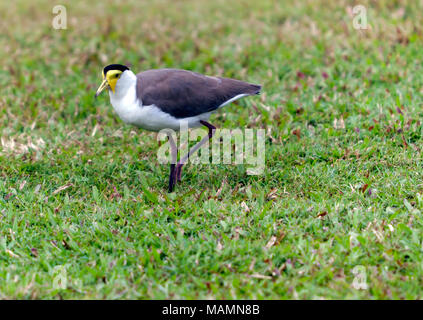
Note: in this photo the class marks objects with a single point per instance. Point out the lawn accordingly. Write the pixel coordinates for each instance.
(336, 213)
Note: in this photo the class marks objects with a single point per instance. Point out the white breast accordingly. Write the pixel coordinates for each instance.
(151, 117)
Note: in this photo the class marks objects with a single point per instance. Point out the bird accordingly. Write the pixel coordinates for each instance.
(160, 99)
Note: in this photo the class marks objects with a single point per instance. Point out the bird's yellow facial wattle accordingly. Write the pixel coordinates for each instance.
(109, 81)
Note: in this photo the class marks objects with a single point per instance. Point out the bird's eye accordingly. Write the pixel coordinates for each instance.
(117, 76)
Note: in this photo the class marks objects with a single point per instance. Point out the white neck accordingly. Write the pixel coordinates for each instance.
(124, 100)
(124, 85)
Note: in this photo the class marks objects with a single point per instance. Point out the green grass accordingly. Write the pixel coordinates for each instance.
(83, 195)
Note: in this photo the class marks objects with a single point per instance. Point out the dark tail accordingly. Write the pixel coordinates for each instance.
(257, 88)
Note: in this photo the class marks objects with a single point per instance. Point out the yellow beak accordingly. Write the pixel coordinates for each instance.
(103, 86)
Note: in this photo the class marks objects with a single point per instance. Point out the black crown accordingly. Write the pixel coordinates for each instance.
(120, 67)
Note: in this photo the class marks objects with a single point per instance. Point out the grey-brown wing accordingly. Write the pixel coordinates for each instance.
(183, 93)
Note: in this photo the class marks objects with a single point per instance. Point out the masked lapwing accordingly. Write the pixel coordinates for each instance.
(165, 98)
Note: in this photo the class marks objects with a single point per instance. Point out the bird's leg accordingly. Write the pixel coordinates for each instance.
(171, 177)
(182, 161)
(174, 154)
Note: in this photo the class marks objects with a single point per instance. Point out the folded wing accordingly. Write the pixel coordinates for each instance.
(183, 93)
